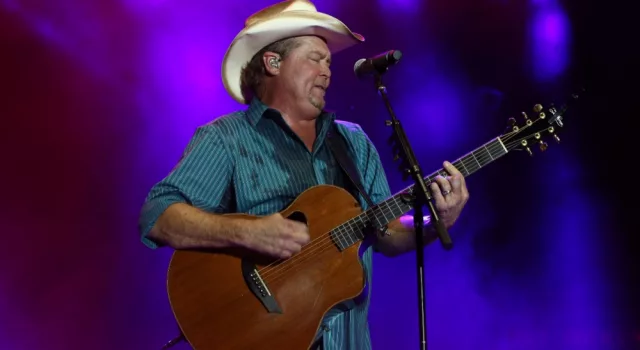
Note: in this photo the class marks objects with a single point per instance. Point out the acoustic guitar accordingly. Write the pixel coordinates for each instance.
(234, 299)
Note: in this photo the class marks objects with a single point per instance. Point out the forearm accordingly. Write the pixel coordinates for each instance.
(182, 226)
(403, 238)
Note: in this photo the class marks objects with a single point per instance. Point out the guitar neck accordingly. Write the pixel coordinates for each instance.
(399, 204)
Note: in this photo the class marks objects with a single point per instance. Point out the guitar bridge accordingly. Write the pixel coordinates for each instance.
(259, 288)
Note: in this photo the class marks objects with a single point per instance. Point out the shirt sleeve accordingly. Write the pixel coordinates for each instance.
(201, 178)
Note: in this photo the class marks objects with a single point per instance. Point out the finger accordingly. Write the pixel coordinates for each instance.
(459, 185)
(279, 249)
(301, 237)
(284, 254)
(292, 247)
(463, 189)
(450, 168)
(443, 184)
(457, 179)
(299, 226)
(456, 182)
(436, 192)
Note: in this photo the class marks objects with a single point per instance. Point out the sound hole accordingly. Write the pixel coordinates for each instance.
(298, 216)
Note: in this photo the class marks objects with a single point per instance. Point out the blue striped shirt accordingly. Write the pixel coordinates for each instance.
(251, 162)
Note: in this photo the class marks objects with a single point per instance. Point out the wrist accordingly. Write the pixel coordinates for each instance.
(237, 230)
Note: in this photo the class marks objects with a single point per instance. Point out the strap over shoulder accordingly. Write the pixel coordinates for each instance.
(339, 149)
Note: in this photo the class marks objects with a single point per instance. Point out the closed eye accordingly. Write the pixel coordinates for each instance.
(318, 56)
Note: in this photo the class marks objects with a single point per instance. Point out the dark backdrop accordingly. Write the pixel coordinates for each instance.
(99, 100)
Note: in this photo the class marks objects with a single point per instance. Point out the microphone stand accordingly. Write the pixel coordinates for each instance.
(420, 196)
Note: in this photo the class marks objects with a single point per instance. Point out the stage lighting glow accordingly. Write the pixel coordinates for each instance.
(549, 43)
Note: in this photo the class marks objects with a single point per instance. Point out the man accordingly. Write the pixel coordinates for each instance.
(258, 160)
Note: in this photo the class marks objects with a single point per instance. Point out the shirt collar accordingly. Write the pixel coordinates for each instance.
(257, 110)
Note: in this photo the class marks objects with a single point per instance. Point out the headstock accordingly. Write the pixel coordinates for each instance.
(535, 127)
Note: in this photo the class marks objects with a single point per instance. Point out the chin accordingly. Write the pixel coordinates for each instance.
(317, 103)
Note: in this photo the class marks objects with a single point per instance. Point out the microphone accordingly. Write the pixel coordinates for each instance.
(377, 64)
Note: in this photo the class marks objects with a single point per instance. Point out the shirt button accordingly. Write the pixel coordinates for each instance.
(325, 328)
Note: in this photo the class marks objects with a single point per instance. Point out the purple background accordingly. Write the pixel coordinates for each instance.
(99, 99)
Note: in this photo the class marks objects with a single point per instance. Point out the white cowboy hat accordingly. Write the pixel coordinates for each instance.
(279, 21)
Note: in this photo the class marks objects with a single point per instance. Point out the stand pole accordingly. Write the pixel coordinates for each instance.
(421, 197)
(422, 303)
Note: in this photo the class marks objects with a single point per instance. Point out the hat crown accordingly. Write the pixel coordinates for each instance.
(276, 9)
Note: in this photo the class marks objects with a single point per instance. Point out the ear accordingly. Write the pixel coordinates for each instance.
(271, 62)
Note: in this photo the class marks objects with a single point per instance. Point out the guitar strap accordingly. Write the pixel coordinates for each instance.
(339, 148)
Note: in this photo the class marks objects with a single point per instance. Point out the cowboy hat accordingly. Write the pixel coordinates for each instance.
(279, 21)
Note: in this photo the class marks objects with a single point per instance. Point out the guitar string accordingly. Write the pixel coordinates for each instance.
(320, 244)
(340, 232)
(325, 241)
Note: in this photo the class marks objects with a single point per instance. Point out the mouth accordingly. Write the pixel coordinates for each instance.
(321, 87)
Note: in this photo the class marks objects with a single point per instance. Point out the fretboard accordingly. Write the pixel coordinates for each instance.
(394, 207)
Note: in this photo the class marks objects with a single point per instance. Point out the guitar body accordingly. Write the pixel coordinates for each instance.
(216, 308)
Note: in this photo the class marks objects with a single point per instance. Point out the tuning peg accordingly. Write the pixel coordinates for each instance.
(512, 125)
(525, 144)
(552, 132)
(388, 122)
(543, 146)
(524, 116)
(537, 108)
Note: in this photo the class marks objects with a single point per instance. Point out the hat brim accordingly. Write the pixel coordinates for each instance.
(284, 25)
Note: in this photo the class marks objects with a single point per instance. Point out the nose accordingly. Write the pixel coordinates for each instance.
(326, 71)
(327, 76)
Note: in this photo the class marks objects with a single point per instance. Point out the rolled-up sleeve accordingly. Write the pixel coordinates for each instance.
(201, 179)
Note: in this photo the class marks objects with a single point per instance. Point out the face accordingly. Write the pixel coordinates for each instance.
(305, 73)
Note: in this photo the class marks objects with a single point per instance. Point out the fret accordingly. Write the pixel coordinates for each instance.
(485, 148)
(338, 239)
(377, 211)
(370, 215)
(474, 157)
(480, 157)
(464, 170)
(385, 209)
(349, 237)
(398, 211)
(503, 146)
(344, 237)
(380, 215)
